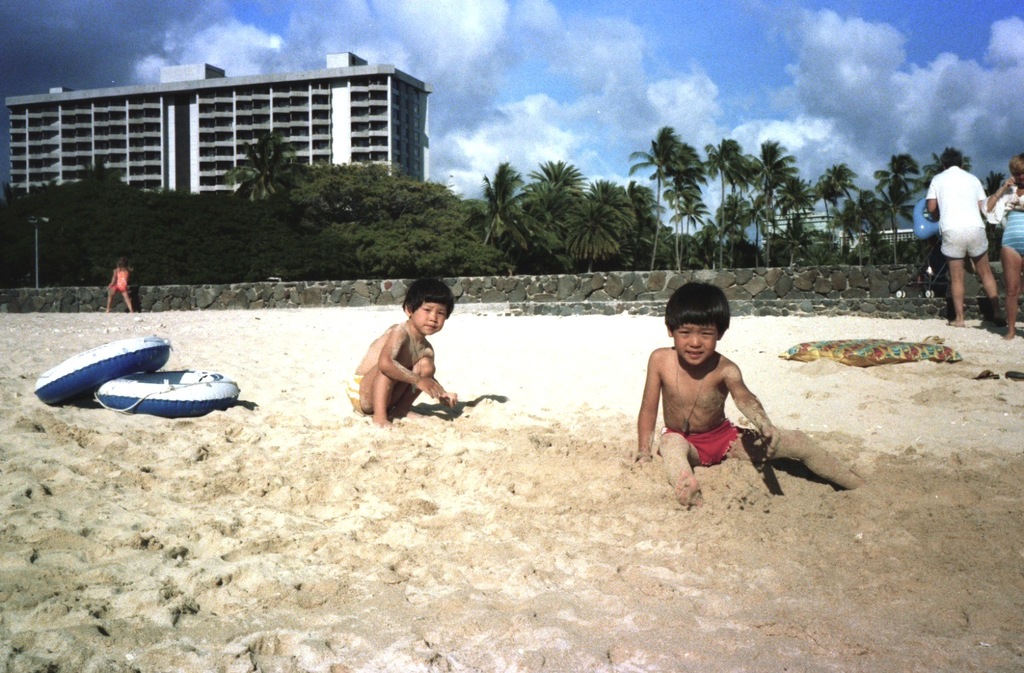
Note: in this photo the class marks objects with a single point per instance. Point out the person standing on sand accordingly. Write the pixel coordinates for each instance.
(119, 283)
(693, 381)
(957, 199)
(1006, 207)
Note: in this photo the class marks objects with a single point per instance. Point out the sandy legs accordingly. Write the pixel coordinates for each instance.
(386, 399)
(679, 458)
(796, 445)
(1011, 278)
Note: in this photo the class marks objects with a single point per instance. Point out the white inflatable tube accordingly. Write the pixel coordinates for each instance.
(86, 371)
(177, 394)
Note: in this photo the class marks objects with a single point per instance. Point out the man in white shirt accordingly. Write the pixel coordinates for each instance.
(958, 199)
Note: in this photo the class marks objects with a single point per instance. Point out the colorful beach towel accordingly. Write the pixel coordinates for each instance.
(871, 352)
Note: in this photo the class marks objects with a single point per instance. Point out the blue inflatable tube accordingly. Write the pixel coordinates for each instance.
(178, 394)
(86, 371)
(924, 226)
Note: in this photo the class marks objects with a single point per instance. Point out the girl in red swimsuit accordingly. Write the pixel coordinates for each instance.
(119, 283)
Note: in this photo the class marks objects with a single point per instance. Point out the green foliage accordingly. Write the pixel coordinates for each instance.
(329, 222)
(369, 223)
(268, 169)
(343, 223)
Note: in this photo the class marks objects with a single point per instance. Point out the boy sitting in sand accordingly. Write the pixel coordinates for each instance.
(400, 364)
(693, 381)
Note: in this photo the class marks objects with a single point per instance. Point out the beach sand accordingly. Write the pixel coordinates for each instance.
(288, 534)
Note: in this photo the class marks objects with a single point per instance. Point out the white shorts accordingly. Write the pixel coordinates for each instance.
(959, 243)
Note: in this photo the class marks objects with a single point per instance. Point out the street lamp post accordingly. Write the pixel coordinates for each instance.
(35, 221)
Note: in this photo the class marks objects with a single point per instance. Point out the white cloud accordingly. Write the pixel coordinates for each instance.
(845, 69)
(238, 48)
(853, 74)
(689, 104)
(525, 134)
(1006, 47)
(536, 17)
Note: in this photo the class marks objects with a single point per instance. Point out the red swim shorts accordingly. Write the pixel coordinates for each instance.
(711, 445)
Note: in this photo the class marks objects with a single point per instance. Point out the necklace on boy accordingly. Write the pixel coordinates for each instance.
(686, 422)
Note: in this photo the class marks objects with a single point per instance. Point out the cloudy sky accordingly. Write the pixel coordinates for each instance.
(588, 81)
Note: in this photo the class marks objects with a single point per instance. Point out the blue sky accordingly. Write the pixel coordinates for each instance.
(589, 82)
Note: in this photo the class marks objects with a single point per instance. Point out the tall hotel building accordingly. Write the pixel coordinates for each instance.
(187, 131)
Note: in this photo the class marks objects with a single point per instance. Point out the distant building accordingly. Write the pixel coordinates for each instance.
(187, 131)
(819, 221)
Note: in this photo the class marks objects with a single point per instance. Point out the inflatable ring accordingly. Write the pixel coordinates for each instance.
(86, 371)
(179, 394)
(924, 226)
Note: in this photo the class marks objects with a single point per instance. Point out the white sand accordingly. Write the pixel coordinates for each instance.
(288, 534)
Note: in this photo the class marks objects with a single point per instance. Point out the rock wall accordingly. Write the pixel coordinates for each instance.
(881, 291)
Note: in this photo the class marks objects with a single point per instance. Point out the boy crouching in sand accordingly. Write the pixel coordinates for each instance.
(400, 364)
(693, 381)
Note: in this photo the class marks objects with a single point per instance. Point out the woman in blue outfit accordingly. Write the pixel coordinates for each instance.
(1006, 206)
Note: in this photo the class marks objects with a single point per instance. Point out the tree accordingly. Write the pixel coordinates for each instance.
(738, 215)
(560, 175)
(548, 200)
(686, 175)
(870, 220)
(796, 198)
(10, 193)
(645, 218)
(993, 181)
(661, 158)
(895, 187)
(501, 210)
(930, 170)
(598, 222)
(726, 162)
(771, 168)
(99, 172)
(837, 182)
(269, 167)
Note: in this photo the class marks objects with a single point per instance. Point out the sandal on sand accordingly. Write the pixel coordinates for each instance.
(989, 374)
(1015, 376)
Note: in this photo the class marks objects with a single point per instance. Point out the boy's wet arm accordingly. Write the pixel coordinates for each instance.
(390, 360)
(746, 401)
(648, 416)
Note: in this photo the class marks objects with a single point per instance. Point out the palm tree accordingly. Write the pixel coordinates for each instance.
(738, 216)
(929, 171)
(559, 174)
(661, 158)
(500, 212)
(895, 186)
(99, 172)
(796, 198)
(555, 188)
(726, 162)
(269, 166)
(771, 167)
(686, 176)
(834, 184)
(645, 217)
(702, 251)
(993, 181)
(870, 217)
(598, 222)
(695, 212)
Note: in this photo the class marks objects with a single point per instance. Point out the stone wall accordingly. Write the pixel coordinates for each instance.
(880, 291)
